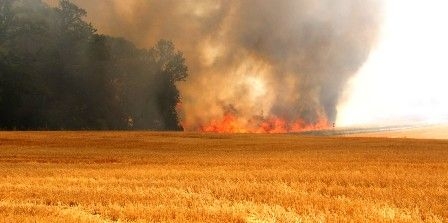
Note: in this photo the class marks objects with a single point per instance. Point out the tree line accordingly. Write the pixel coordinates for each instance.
(58, 73)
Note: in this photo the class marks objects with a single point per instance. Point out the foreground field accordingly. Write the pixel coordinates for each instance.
(179, 177)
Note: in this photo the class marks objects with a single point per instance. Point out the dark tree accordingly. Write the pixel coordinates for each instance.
(56, 72)
(171, 68)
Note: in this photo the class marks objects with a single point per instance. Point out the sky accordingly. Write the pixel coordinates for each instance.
(405, 79)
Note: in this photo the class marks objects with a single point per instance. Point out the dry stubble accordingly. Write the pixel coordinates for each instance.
(180, 177)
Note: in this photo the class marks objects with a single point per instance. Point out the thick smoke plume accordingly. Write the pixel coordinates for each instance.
(255, 65)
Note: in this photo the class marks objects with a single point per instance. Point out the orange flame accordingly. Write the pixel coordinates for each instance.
(230, 123)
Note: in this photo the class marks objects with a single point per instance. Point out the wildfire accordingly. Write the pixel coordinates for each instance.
(231, 123)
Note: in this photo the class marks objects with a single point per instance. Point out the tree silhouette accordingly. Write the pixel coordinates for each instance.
(56, 72)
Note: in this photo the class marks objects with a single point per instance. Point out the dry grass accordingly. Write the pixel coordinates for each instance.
(178, 177)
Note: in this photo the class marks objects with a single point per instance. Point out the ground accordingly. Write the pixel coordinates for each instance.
(182, 177)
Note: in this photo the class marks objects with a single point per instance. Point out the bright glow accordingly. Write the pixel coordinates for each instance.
(256, 85)
(405, 80)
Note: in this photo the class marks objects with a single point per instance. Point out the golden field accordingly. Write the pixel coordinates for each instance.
(182, 177)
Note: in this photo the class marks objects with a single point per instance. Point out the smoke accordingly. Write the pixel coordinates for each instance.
(258, 59)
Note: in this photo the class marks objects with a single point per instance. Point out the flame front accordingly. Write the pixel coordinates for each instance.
(231, 123)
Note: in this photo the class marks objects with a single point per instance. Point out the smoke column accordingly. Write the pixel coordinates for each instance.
(255, 65)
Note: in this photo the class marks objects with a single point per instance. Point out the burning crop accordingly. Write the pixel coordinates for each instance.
(232, 123)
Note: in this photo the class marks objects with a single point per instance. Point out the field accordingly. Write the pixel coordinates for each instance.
(181, 177)
(420, 132)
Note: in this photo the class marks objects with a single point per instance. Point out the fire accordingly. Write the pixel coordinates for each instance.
(231, 123)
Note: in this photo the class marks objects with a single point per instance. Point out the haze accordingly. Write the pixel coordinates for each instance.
(405, 78)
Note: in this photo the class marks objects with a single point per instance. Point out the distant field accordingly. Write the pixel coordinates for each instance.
(417, 132)
(180, 177)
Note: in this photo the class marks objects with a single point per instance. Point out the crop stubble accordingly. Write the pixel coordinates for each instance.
(179, 177)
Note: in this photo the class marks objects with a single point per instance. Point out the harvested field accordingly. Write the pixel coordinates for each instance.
(416, 132)
(182, 177)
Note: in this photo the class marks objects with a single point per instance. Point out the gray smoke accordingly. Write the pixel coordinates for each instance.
(288, 59)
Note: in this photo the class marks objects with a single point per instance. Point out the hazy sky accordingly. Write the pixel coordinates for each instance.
(405, 79)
